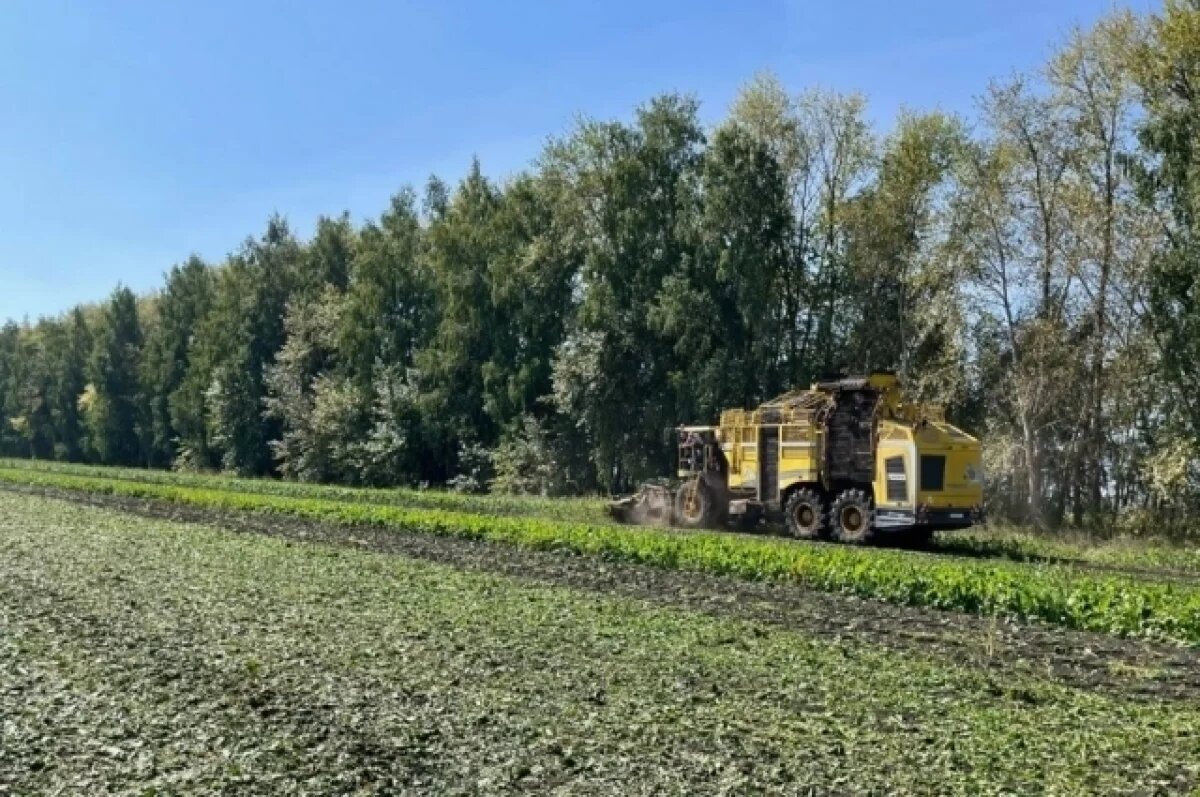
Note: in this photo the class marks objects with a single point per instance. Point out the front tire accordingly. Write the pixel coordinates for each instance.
(695, 506)
(804, 514)
(853, 519)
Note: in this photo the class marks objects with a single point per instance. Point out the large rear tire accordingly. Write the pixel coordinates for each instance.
(853, 518)
(696, 506)
(804, 514)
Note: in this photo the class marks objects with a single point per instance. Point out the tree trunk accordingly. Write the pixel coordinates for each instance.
(1097, 436)
(1034, 475)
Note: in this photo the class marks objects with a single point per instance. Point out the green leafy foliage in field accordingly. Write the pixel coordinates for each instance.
(588, 510)
(1005, 542)
(147, 657)
(1056, 594)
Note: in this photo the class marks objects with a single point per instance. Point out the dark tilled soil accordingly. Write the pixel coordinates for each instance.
(1115, 665)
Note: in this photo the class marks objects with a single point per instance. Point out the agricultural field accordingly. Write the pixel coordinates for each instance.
(170, 634)
(582, 509)
(1133, 597)
(995, 542)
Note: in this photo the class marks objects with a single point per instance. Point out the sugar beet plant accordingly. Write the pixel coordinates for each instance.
(1057, 594)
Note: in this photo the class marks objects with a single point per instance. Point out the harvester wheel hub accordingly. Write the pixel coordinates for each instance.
(694, 505)
(852, 519)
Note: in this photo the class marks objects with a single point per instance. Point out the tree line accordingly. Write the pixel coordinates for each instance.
(1035, 271)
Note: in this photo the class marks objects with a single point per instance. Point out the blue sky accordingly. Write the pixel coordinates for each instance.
(135, 133)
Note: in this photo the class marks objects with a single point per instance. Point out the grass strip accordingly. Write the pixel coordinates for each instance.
(1050, 593)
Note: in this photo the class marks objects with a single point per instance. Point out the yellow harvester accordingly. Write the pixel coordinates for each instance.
(849, 459)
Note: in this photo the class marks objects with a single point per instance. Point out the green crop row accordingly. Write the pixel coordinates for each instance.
(1050, 593)
(1005, 543)
(588, 510)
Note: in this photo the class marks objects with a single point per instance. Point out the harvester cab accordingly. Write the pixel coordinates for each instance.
(849, 459)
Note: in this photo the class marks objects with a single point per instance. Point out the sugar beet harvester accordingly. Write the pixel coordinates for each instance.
(849, 459)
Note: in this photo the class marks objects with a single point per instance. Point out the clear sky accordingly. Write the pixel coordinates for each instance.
(135, 133)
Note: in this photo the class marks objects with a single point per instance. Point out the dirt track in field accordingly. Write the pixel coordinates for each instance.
(1117, 666)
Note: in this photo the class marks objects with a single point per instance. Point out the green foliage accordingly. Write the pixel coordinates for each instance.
(719, 304)
(531, 276)
(114, 413)
(914, 322)
(68, 367)
(533, 458)
(389, 302)
(170, 346)
(328, 260)
(583, 510)
(43, 371)
(632, 197)
(1167, 68)
(386, 318)
(244, 331)
(324, 418)
(10, 338)
(1133, 552)
(474, 469)
(454, 367)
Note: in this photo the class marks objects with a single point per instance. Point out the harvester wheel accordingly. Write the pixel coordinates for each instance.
(804, 514)
(695, 506)
(852, 519)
